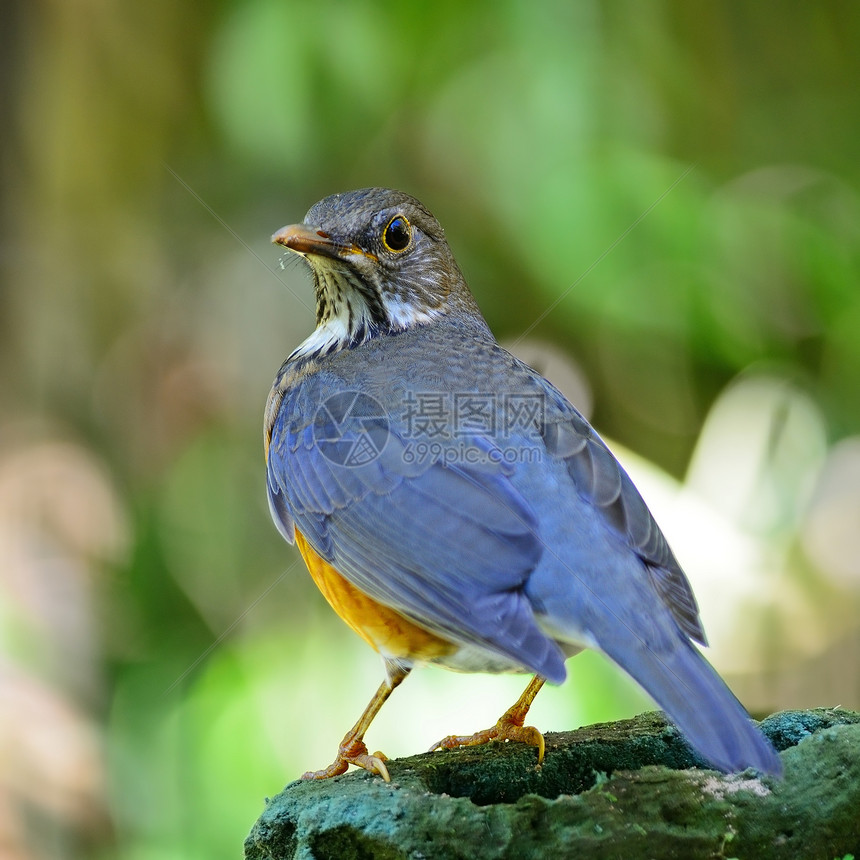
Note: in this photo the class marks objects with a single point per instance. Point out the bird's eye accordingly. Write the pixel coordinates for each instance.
(397, 234)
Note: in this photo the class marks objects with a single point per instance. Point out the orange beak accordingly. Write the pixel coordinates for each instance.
(304, 239)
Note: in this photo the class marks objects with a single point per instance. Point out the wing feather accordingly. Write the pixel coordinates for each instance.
(450, 546)
(599, 477)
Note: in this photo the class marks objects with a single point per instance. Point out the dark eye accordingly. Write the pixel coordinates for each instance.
(397, 235)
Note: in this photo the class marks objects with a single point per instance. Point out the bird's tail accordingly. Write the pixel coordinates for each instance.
(698, 701)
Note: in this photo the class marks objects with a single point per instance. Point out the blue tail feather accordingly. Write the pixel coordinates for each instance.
(698, 701)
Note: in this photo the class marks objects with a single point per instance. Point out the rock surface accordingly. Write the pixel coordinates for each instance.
(627, 790)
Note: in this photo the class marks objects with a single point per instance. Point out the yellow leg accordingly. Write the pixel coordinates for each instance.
(509, 727)
(352, 749)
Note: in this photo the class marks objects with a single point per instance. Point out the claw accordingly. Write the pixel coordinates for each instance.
(509, 727)
(352, 749)
(352, 753)
(336, 768)
(375, 764)
(504, 730)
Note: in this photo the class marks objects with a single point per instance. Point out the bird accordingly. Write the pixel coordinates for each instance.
(454, 508)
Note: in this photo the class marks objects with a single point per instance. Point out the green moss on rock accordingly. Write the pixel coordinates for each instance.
(615, 790)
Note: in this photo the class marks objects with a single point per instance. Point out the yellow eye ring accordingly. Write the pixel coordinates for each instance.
(397, 235)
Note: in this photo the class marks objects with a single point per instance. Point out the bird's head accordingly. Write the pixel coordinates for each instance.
(380, 264)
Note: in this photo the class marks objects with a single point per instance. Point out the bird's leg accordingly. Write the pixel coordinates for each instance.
(352, 749)
(509, 727)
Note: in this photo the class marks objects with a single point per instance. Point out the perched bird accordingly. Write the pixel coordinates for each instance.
(451, 504)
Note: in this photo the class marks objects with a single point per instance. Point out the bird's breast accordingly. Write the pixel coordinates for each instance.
(384, 629)
(389, 632)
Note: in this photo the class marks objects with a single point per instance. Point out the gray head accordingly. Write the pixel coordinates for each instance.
(380, 264)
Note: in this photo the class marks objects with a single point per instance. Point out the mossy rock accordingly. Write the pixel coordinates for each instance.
(627, 790)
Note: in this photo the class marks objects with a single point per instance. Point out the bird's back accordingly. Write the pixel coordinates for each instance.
(453, 396)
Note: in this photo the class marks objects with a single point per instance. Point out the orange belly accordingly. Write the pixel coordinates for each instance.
(384, 629)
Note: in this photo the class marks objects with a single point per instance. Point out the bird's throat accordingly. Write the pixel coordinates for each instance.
(349, 313)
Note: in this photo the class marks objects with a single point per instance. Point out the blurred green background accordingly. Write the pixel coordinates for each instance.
(656, 203)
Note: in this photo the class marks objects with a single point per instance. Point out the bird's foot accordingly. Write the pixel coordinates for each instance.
(509, 728)
(352, 751)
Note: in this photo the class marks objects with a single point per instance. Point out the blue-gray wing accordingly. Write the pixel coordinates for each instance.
(448, 544)
(602, 481)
